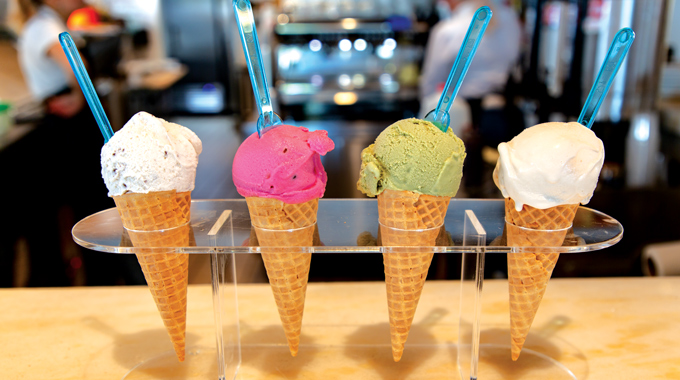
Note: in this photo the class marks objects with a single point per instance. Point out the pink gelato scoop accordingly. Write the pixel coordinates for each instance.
(283, 164)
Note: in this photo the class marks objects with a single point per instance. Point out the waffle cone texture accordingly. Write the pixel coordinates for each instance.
(154, 220)
(278, 225)
(530, 269)
(411, 220)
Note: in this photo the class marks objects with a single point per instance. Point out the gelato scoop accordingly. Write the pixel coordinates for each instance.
(150, 154)
(149, 167)
(413, 155)
(284, 164)
(550, 164)
(281, 176)
(414, 169)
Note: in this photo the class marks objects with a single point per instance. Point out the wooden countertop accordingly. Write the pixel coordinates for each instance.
(599, 328)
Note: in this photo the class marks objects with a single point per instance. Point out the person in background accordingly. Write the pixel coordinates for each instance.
(481, 93)
(43, 62)
(497, 53)
(60, 174)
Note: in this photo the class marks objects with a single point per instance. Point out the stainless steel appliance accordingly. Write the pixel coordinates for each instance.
(197, 33)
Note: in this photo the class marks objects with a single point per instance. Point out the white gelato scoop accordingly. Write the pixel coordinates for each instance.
(150, 154)
(550, 164)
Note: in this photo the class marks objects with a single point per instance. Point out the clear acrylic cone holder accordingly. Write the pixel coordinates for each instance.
(341, 338)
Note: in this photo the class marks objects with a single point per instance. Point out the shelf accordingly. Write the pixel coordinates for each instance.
(341, 224)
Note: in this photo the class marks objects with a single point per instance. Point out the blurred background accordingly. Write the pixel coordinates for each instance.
(350, 67)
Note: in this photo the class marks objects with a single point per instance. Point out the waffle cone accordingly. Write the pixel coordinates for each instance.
(154, 220)
(529, 270)
(411, 220)
(278, 224)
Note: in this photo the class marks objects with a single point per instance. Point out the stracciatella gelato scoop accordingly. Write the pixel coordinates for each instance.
(150, 154)
(550, 164)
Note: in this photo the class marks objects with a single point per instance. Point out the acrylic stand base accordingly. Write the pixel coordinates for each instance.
(200, 363)
(448, 339)
(496, 365)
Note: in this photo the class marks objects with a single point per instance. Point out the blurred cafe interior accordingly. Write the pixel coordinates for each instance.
(350, 67)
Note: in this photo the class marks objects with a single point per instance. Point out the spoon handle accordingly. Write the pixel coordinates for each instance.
(251, 47)
(69, 47)
(473, 37)
(612, 62)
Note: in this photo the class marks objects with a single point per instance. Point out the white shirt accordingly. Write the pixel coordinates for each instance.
(43, 75)
(496, 53)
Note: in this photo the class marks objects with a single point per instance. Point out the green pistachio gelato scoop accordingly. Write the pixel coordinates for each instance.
(413, 155)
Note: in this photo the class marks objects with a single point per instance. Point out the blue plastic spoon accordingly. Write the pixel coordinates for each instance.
(251, 47)
(612, 62)
(85, 83)
(440, 115)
